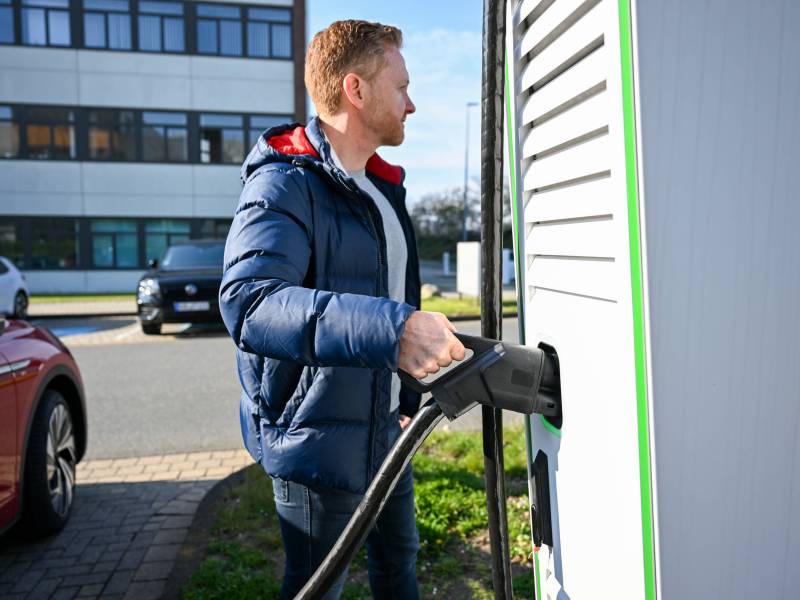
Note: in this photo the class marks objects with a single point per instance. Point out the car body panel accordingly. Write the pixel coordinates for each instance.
(11, 282)
(36, 359)
(8, 443)
(194, 290)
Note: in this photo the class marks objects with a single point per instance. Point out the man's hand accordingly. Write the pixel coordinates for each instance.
(404, 421)
(427, 344)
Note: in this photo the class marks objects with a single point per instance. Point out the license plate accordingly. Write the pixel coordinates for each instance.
(191, 306)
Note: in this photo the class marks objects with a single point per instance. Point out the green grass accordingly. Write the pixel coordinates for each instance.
(47, 298)
(245, 559)
(461, 307)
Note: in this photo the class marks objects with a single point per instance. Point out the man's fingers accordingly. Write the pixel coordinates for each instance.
(457, 350)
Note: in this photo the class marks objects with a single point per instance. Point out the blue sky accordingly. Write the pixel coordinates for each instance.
(442, 48)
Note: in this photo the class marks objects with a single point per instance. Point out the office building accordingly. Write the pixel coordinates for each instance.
(123, 125)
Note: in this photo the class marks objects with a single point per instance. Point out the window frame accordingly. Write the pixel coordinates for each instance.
(187, 127)
(185, 16)
(92, 234)
(82, 126)
(77, 35)
(87, 125)
(26, 121)
(270, 23)
(24, 227)
(105, 12)
(54, 236)
(18, 8)
(16, 16)
(222, 128)
(14, 120)
(217, 19)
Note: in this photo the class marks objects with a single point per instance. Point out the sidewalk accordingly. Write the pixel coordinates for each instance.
(128, 523)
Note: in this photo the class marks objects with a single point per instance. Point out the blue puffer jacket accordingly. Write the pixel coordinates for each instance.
(305, 297)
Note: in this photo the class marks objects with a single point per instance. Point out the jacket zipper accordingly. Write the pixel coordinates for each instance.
(376, 385)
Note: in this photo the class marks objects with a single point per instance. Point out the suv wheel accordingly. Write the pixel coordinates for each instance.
(151, 328)
(21, 305)
(50, 467)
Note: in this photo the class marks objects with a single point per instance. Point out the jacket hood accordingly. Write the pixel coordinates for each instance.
(307, 146)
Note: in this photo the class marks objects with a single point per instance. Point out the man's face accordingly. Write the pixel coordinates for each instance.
(386, 103)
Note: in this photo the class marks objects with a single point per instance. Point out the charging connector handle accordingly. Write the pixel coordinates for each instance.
(499, 374)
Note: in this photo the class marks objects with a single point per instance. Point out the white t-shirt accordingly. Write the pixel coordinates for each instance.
(396, 250)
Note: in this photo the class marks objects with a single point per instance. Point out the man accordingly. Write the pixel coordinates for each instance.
(321, 295)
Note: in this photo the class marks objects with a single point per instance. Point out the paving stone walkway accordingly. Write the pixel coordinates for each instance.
(128, 523)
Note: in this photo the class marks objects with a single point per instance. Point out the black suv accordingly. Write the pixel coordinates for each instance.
(183, 287)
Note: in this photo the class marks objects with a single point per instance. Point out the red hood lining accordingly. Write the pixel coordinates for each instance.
(296, 142)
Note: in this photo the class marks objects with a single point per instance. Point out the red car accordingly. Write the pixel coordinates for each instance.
(42, 428)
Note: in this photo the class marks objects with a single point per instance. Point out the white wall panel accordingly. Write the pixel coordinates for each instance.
(594, 238)
(578, 161)
(246, 95)
(594, 278)
(577, 37)
(40, 176)
(589, 199)
(576, 80)
(137, 178)
(719, 86)
(577, 121)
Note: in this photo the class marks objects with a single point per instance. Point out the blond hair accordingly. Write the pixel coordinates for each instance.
(344, 47)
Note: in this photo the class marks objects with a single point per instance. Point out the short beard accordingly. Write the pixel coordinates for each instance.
(388, 130)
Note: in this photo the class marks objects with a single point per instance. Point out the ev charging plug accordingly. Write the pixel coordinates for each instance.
(498, 374)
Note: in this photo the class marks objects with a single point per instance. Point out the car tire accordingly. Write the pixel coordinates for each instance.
(21, 305)
(49, 467)
(151, 328)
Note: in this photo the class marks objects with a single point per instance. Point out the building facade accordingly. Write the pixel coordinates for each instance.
(123, 125)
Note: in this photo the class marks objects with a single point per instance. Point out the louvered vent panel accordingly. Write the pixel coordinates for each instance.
(564, 147)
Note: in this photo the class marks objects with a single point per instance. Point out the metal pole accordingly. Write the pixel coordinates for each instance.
(491, 285)
(466, 173)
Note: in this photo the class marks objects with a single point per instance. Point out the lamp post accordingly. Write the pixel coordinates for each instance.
(466, 174)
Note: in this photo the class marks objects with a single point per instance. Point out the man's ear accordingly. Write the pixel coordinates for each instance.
(353, 87)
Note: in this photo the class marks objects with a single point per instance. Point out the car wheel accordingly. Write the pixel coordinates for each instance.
(151, 328)
(49, 467)
(21, 305)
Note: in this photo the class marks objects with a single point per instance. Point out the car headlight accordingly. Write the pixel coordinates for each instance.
(148, 287)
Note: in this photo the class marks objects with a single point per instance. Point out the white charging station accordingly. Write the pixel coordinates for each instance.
(654, 149)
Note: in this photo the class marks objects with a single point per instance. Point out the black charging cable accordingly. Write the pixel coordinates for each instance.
(362, 521)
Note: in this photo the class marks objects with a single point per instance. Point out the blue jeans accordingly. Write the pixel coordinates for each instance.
(311, 521)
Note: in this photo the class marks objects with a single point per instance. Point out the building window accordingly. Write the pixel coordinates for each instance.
(215, 228)
(259, 124)
(115, 243)
(50, 132)
(161, 27)
(269, 32)
(54, 244)
(164, 136)
(221, 138)
(6, 22)
(9, 133)
(112, 135)
(158, 235)
(11, 242)
(45, 23)
(219, 29)
(107, 24)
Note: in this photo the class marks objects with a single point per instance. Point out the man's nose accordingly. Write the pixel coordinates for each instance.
(410, 108)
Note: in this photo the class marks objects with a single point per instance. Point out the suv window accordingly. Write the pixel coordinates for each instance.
(194, 256)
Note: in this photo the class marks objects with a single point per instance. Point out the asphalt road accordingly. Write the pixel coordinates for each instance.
(175, 393)
(172, 396)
